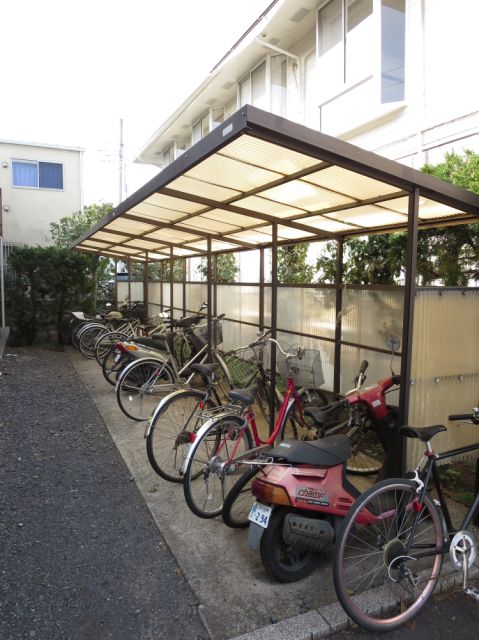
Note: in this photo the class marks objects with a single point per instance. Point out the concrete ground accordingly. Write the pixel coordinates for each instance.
(236, 596)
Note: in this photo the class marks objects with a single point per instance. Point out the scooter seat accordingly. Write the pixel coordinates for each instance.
(324, 452)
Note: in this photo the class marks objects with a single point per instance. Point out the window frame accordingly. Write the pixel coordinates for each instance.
(37, 164)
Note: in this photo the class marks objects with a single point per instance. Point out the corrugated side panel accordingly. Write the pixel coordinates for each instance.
(237, 335)
(137, 291)
(380, 366)
(196, 294)
(370, 316)
(166, 294)
(306, 310)
(122, 291)
(154, 295)
(238, 302)
(445, 366)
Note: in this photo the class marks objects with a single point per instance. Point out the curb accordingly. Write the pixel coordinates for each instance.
(331, 619)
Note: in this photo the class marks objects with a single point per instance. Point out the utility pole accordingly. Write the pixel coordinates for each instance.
(121, 161)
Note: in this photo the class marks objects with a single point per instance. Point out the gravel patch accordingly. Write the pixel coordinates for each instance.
(80, 555)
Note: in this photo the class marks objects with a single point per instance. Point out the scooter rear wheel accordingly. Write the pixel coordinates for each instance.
(282, 561)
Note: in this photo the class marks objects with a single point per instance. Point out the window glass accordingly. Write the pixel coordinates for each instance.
(258, 86)
(196, 131)
(25, 174)
(205, 125)
(217, 116)
(330, 26)
(357, 11)
(278, 85)
(393, 28)
(50, 175)
(245, 91)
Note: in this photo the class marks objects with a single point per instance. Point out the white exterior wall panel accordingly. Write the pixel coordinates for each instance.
(31, 210)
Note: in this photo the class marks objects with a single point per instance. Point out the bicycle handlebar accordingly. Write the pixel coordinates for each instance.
(472, 417)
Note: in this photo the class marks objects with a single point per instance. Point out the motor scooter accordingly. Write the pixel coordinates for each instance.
(302, 491)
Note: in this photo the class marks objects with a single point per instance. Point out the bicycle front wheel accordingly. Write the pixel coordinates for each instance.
(239, 500)
(211, 471)
(387, 559)
(172, 430)
(141, 385)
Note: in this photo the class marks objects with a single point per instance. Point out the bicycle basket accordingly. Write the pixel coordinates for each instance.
(243, 365)
(306, 368)
(199, 335)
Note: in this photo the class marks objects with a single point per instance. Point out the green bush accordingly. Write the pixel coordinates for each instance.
(48, 282)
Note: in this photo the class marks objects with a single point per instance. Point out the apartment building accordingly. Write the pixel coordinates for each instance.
(391, 76)
(39, 184)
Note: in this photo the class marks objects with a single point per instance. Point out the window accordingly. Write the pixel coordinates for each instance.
(348, 44)
(265, 86)
(393, 33)
(38, 175)
(344, 40)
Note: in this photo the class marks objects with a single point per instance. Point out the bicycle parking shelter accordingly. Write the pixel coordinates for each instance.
(260, 181)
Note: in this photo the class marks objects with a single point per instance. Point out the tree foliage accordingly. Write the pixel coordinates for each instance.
(226, 268)
(445, 255)
(70, 228)
(292, 264)
(48, 282)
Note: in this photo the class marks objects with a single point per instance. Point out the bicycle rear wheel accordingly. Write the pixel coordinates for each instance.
(105, 342)
(300, 427)
(367, 452)
(88, 339)
(172, 430)
(386, 561)
(141, 385)
(211, 472)
(237, 504)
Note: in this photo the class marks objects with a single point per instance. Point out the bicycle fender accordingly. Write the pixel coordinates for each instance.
(159, 409)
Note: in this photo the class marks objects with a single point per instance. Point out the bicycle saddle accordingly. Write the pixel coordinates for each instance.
(423, 433)
(245, 396)
(324, 452)
(205, 369)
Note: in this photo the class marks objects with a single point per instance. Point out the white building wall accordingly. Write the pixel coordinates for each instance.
(27, 212)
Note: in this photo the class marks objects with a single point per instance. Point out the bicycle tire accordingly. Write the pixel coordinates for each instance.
(111, 366)
(300, 427)
(237, 504)
(206, 483)
(105, 342)
(372, 553)
(368, 454)
(77, 330)
(172, 428)
(141, 385)
(88, 339)
(282, 561)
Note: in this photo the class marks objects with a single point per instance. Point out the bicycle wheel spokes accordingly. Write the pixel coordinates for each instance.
(211, 471)
(171, 432)
(141, 386)
(386, 561)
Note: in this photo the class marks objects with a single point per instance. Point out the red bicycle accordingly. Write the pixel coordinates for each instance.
(213, 461)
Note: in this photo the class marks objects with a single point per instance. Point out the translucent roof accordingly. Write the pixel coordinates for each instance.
(257, 178)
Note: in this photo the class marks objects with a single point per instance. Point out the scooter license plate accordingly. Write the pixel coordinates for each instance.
(260, 514)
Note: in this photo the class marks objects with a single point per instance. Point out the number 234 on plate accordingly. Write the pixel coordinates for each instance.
(260, 514)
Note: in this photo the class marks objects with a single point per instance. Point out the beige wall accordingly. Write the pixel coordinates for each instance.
(30, 211)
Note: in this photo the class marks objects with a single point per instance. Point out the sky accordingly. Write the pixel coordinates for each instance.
(72, 70)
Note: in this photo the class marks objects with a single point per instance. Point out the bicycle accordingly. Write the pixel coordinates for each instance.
(177, 417)
(123, 350)
(143, 382)
(226, 439)
(390, 548)
(153, 326)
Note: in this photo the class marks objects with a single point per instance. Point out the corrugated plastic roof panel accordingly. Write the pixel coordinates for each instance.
(257, 172)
